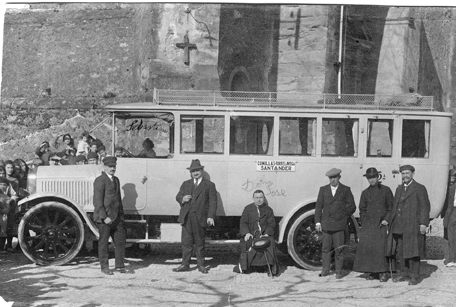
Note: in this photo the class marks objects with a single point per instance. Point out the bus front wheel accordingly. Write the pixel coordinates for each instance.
(304, 242)
(51, 233)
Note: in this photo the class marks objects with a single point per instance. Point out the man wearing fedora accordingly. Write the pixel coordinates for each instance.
(197, 198)
(408, 222)
(109, 216)
(374, 205)
(335, 205)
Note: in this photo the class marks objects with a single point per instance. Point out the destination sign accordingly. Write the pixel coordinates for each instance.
(276, 166)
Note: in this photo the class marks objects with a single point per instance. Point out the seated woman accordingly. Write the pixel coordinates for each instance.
(148, 151)
(257, 221)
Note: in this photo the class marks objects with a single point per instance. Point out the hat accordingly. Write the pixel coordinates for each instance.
(261, 243)
(333, 172)
(45, 143)
(92, 155)
(4, 180)
(196, 164)
(80, 158)
(110, 161)
(406, 168)
(371, 172)
(54, 156)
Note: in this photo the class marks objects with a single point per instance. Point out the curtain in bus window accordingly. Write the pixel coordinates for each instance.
(251, 135)
(131, 132)
(202, 134)
(415, 138)
(340, 137)
(297, 136)
(379, 138)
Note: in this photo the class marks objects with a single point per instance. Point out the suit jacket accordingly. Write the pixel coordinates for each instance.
(415, 208)
(106, 198)
(449, 205)
(203, 202)
(249, 220)
(333, 211)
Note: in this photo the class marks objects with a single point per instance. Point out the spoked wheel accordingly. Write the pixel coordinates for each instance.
(304, 242)
(51, 234)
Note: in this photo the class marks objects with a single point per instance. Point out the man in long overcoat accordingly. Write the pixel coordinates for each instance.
(335, 205)
(375, 203)
(198, 200)
(257, 221)
(109, 216)
(408, 222)
(449, 222)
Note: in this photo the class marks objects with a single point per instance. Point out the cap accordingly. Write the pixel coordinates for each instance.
(333, 172)
(54, 156)
(80, 158)
(196, 164)
(406, 168)
(92, 155)
(110, 161)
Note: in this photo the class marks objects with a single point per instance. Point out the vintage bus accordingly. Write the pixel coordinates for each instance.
(281, 143)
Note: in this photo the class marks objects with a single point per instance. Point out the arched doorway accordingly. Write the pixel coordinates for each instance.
(239, 79)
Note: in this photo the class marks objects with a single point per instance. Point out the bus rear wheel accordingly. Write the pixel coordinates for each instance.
(51, 233)
(304, 242)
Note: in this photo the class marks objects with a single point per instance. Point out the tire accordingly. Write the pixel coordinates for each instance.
(304, 242)
(51, 233)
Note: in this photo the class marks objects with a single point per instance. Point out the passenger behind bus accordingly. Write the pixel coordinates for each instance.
(148, 151)
(101, 154)
(92, 158)
(81, 160)
(335, 205)
(54, 159)
(375, 203)
(257, 223)
(6, 203)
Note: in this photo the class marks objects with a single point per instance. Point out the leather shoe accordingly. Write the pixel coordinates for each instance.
(400, 279)
(182, 268)
(383, 277)
(107, 272)
(339, 275)
(202, 269)
(370, 277)
(323, 273)
(413, 282)
(124, 271)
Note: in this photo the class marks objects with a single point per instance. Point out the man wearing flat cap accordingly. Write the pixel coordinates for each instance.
(197, 198)
(335, 205)
(109, 216)
(374, 205)
(408, 222)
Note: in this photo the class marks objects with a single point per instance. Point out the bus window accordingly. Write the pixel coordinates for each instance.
(202, 134)
(379, 137)
(132, 131)
(297, 136)
(251, 135)
(339, 137)
(415, 138)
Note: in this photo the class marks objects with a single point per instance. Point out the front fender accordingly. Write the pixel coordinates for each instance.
(286, 219)
(45, 197)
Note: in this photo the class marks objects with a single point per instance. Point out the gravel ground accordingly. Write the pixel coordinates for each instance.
(80, 283)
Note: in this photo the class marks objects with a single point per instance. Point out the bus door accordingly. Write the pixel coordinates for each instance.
(382, 149)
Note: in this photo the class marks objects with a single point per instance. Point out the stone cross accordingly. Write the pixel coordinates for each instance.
(187, 48)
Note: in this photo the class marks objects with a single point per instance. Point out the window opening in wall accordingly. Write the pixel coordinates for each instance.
(340, 137)
(202, 134)
(297, 136)
(379, 137)
(251, 135)
(415, 138)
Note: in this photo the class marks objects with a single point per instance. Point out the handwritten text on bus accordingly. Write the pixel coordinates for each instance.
(267, 187)
(140, 125)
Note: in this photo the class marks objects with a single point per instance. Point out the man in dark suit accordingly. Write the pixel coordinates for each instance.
(408, 222)
(335, 204)
(109, 216)
(198, 200)
(449, 221)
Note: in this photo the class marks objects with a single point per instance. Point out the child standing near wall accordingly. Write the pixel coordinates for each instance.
(83, 146)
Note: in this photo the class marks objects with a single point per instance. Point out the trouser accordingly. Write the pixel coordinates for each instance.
(333, 239)
(117, 232)
(451, 229)
(410, 267)
(192, 233)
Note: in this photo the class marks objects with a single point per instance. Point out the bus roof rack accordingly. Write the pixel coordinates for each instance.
(412, 101)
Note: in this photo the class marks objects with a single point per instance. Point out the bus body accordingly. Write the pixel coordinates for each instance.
(283, 149)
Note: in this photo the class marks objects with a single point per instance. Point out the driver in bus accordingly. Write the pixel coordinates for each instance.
(335, 204)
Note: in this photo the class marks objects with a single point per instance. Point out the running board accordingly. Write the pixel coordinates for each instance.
(209, 241)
